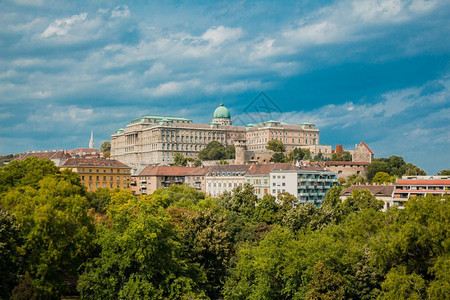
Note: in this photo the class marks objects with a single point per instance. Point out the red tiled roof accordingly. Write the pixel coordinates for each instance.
(340, 163)
(94, 162)
(423, 182)
(173, 171)
(229, 168)
(256, 169)
(376, 190)
(86, 150)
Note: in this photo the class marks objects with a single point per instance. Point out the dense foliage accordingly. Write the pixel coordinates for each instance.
(58, 239)
(105, 148)
(344, 156)
(394, 166)
(216, 151)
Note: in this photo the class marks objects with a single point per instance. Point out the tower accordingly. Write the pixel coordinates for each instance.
(222, 115)
(240, 147)
(91, 141)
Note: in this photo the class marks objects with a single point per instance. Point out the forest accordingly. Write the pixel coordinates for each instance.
(58, 240)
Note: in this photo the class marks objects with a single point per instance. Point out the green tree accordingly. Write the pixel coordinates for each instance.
(382, 178)
(361, 199)
(230, 152)
(56, 228)
(140, 257)
(266, 209)
(242, 200)
(377, 166)
(206, 241)
(415, 171)
(444, 172)
(325, 284)
(439, 288)
(179, 160)
(105, 148)
(344, 156)
(416, 237)
(197, 163)
(355, 179)
(213, 151)
(401, 285)
(10, 262)
(27, 172)
(99, 199)
(276, 146)
(278, 157)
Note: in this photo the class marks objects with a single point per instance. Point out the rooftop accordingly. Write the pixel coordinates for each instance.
(422, 182)
(172, 171)
(376, 190)
(94, 162)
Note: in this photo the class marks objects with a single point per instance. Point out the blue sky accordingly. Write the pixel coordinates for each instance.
(373, 71)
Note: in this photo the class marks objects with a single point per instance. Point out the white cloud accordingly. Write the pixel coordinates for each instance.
(63, 26)
(120, 12)
(378, 11)
(172, 88)
(316, 34)
(221, 34)
(157, 70)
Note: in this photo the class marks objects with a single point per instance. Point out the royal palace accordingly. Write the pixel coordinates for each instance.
(154, 139)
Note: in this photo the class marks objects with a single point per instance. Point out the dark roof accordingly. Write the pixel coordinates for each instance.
(376, 190)
(94, 162)
(173, 171)
(61, 154)
(85, 150)
(229, 168)
(265, 169)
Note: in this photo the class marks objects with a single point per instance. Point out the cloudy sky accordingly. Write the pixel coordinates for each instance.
(362, 70)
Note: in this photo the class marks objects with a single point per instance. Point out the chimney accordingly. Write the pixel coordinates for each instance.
(339, 149)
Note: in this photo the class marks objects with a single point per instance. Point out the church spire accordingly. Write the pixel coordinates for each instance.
(91, 141)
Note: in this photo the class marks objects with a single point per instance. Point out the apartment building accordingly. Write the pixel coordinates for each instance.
(151, 178)
(307, 183)
(224, 178)
(259, 176)
(426, 185)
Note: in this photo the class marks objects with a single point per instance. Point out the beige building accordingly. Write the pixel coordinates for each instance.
(362, 153)
(344, 169)
(155, 139)
(100, 172)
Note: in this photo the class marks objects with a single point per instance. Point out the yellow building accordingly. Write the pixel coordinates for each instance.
(100, 172)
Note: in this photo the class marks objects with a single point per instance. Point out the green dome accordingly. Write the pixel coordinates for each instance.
(222, 112)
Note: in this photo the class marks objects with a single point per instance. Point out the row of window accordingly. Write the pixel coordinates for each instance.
(97, 178)
(90, 170)
(225, 184)
(227, 174)
(111, 185)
